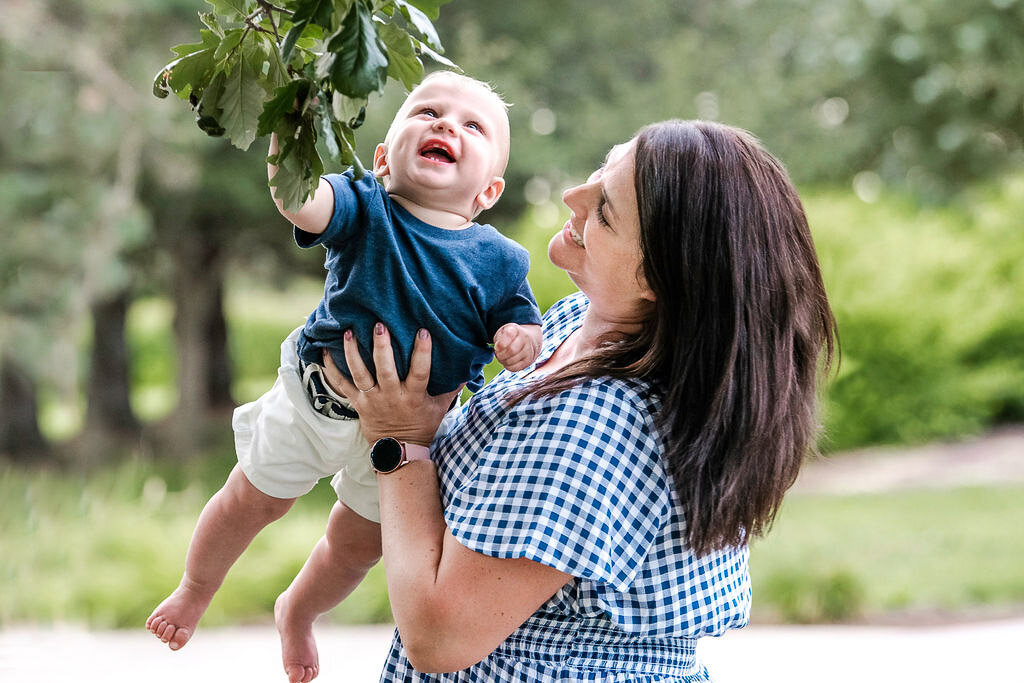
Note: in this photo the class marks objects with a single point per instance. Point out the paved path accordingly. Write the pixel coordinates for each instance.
(986, 651)
(994, 459)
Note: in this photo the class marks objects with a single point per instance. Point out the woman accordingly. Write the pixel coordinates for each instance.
(588, 518)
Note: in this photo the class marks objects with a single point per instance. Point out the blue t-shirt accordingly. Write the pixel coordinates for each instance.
(385, 265)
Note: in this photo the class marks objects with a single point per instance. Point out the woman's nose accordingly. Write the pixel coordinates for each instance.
(570, 195)
(571, 198)
(576, 197)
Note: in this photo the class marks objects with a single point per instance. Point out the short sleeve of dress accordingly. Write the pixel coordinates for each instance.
(573, 482)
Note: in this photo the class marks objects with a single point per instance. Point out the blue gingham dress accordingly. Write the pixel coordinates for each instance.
(576, 482)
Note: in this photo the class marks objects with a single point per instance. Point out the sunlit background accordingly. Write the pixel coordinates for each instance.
(146, 279)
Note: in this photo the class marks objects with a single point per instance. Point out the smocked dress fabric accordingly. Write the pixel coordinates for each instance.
(576, 482)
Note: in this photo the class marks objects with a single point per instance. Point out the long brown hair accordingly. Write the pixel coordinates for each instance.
(741, 330)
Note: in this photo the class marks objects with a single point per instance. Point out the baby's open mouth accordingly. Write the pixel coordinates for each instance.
(437, 152)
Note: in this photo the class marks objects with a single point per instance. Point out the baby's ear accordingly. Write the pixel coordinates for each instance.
(490, 194)
(380, 161)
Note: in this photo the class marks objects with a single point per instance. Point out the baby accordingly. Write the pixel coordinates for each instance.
(408, 255)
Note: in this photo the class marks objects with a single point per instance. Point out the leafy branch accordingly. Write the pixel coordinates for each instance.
(244, 80)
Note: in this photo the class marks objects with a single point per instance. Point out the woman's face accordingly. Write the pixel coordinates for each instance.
(599, 246)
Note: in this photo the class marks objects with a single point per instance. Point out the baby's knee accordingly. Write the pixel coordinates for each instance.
(354, 540)
(244, 494)
(359, 555)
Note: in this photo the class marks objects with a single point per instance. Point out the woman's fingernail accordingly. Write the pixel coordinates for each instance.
(378, 329)
(423, 334)
(348, 335)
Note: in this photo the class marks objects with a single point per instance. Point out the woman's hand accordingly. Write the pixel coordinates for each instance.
(386, 405)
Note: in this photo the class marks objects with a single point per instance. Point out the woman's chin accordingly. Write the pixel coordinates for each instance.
(558, 250)
(553, 247)
(558, 263)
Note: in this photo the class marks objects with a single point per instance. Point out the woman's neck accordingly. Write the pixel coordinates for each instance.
(587, 338)
(597, 328)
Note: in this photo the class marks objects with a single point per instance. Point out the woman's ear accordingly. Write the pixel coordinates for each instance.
(490, 194)
(380, 161)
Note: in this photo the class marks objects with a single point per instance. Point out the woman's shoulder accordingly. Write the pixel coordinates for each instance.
(621, 395)
(625, 394)
(606, 419)
(566, 311)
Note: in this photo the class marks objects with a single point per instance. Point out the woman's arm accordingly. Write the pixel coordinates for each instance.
(453, 606)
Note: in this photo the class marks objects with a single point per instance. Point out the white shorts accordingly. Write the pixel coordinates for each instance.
(285, 447)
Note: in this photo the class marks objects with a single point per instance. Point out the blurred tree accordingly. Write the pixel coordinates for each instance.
(20, 439)
(935, 89)
(571, 71)
(79, 212)
(921, 93)
(586, 74)
(85, 221)
(210, 209)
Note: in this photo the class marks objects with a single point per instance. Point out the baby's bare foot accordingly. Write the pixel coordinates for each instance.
(174, 620)
(298, 646)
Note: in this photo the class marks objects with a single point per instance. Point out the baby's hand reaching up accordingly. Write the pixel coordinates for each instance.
(517, 346)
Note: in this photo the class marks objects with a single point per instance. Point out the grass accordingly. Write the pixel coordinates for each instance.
(104, 549)
(843, 558)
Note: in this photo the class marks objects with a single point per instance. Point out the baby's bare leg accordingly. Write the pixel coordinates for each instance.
(228, 523)
(339, 561)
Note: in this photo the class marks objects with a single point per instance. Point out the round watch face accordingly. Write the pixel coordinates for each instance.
(386, 455)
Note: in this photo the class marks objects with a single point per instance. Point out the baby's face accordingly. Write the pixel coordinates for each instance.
(448, 144)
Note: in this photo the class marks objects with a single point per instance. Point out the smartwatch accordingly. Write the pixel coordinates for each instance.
(387, 454)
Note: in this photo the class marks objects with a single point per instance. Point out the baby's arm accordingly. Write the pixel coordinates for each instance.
(517, 346)
(315, 214)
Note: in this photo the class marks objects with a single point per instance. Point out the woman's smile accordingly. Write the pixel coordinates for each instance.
(570, 235)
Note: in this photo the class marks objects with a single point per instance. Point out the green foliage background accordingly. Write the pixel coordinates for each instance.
(932, 340)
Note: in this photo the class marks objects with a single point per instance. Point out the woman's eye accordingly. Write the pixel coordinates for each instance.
(600, 214)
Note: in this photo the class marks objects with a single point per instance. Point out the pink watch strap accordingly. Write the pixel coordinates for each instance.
(416, 452)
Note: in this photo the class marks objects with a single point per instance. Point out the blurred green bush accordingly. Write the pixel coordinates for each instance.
(930, 321)
(804, 597)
